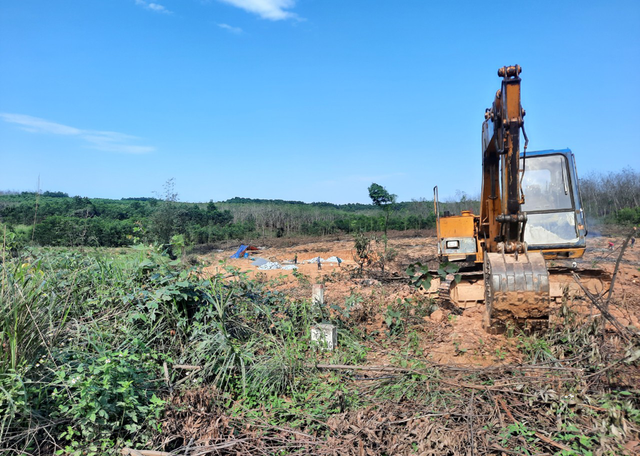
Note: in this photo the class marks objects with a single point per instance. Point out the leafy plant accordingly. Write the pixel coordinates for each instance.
(343, 313)
(421, 277)
(362, 254)
(100, 395)
(394, 319)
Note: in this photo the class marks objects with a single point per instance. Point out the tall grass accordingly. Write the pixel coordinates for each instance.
(46, 298)
(85, 334)
(29, 326)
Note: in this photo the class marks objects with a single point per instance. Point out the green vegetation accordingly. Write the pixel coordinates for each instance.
(86, 336)
(384, 200)
(92, 340)
(60, 220)
(64, 221)
(612, 197)
(55, 219)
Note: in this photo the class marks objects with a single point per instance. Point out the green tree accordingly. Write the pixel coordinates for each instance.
(362, 254)
(384, 200)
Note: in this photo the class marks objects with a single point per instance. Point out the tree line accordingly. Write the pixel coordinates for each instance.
(54, 218)
(613, 196)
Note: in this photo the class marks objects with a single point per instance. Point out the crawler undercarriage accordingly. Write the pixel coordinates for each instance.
(500, 290)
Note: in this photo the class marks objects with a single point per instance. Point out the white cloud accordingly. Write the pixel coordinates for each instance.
(229, 28)
(108, 141)
(36, 125)
(274, 10)
(153, 6)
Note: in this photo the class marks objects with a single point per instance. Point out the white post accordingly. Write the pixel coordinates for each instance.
(317, 294)
(325, 336)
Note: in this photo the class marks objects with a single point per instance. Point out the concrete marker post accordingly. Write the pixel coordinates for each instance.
(324, 335)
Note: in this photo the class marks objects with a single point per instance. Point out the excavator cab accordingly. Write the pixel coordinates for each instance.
(555, 224)
(555, 219)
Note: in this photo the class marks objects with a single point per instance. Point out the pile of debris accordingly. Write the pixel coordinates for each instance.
(316, 260)
(331, 259)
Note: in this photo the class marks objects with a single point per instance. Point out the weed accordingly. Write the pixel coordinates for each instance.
(394, 319)
(303, 280)
(352, 303)
(524, 438)
(458, 351)
(536, 350)
(350, 350)
(100, 394)
(420, 277)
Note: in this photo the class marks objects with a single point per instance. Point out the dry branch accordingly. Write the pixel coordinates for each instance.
(615, 270)
(603, 308)
(542, 437)
(132, 452)
(363, 368)
(167, 380)
(186, 367)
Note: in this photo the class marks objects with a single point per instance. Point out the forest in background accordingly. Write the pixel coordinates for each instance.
(54, 218)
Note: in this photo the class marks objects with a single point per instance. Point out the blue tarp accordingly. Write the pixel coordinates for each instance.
(239, 252)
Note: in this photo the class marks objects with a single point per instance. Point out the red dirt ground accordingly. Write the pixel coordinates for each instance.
(444, 338)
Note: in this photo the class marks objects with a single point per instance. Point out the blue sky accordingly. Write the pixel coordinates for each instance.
(309, 100)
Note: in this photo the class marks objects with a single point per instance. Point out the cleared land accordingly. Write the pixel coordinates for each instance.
(436, 383)
(461, 339)
(127, 350)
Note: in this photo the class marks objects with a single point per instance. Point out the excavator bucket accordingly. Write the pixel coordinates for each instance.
(516, 291)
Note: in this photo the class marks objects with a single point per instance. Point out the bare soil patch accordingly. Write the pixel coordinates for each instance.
(444, 338)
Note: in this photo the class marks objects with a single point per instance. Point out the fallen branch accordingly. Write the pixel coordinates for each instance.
(610, 366)
(615, 270)
(132, 452)
(363, 368)
(603, 308)
(499, 388)
(186, 367)
(201, 451)
(471, 429)
(165, 369)
(445, 368)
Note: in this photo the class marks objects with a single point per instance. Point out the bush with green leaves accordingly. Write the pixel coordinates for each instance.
(109, 399)
(60, 315)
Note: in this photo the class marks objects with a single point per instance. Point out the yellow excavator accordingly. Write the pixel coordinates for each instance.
(530, 210)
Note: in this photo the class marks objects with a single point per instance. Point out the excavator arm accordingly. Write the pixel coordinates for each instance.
(501, 221)
(516, 281)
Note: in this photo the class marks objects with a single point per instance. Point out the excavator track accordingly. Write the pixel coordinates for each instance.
(444, 294)
(470, 291)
